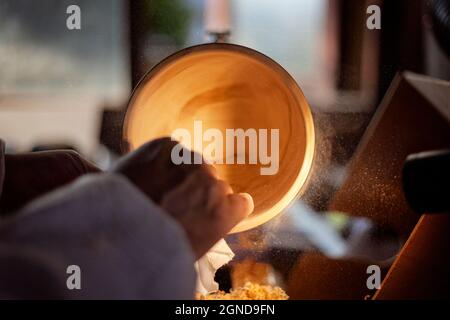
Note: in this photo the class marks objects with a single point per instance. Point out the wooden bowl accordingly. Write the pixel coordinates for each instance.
(229, 87)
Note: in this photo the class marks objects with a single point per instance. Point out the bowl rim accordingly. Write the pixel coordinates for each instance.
(300, 182)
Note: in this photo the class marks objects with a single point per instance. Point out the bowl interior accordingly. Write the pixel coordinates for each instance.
(231, 87)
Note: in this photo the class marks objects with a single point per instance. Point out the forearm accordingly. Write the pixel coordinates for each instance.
(27, 176)
(125, 245)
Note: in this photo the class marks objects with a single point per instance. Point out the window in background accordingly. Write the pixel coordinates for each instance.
(38, 54)
(292, 32)
(304, 36)
(53, 81)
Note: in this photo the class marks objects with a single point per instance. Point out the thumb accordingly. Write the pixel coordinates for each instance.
(247, 203)
(240, 205)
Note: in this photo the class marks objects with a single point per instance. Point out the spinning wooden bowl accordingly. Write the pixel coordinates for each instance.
(229, 87)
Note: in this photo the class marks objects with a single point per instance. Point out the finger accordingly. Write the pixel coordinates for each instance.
(217, 192)
(200, 190)
(250, 205)
(223, 186)
(212, 170)
(193, 191)
(203, 178)
(242, 203)
(235, 209)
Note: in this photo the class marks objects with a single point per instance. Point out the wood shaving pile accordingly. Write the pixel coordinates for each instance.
(250, 291)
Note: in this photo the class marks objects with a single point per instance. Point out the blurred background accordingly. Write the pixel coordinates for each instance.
(56, 83)
(69, 88)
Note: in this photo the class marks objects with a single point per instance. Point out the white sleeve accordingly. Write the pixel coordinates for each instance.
(125, 245)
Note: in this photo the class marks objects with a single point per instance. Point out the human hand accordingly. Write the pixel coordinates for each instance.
(205, 206)
(30, 175)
